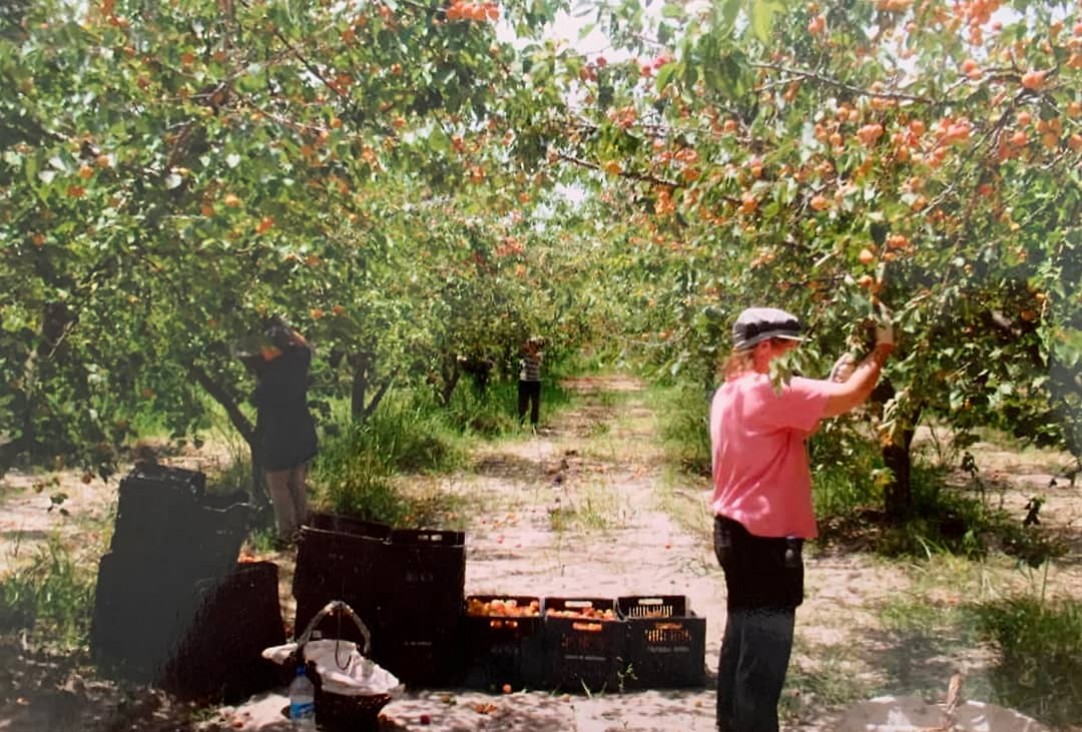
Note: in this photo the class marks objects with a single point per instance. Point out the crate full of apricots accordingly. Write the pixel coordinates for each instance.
(585, 644)
(503, 642)
(666, 641)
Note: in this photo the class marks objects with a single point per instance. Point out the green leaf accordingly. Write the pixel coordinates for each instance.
(665, 74)
(762, 17)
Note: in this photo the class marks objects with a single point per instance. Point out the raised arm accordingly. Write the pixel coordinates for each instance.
(853, 392)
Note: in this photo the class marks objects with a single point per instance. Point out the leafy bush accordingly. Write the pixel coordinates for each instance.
(51, 597)
(1040, 646)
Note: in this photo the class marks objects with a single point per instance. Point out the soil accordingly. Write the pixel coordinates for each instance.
(582, 507)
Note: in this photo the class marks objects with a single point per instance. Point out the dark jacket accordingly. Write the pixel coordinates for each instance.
(287, 431)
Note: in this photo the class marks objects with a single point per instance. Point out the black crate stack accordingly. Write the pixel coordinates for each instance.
(171, 579)
(408, 586)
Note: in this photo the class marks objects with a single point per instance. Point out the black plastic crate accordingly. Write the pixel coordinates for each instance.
(421, 656)
(584, 644)
(152, 498)
(421, 581)
(666, 642)
(337, 556)
(501, 648)
(428, 559)
(219, 658)
(165, 517)
(140, 609)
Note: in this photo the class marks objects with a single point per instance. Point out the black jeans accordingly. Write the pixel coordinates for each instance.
(765, 582)
(529, 394)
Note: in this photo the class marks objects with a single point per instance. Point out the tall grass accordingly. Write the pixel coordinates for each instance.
(51, 598)
(354, 471)
(683, 412)
(1040, 647)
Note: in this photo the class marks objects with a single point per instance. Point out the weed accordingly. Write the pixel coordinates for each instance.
(1040, 647)
(51, 597)
(684, 430)
(826, 681)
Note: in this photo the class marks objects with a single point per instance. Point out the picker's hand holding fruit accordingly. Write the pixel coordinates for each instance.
(843, 368)
(884, 332)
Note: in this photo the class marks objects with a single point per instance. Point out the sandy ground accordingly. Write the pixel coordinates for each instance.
(595, 470)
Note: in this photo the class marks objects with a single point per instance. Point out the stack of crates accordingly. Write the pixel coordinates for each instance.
(168, 536)
(407, 585)
(421, 591)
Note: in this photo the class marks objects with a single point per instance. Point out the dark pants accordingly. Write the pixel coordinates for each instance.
(529, 394)
(751, 668)
(765, 583)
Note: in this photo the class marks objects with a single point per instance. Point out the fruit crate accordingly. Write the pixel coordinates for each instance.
(220, 658)
(422, 581)
(666, 642)
(501, 644)
(153, 498)
(585, 644)
(339, 558)
(421, 655)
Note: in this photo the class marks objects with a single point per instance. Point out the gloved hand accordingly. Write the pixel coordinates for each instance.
(884, 327)
(884, 332)
(843, 368)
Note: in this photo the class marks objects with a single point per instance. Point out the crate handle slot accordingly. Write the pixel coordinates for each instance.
(650, 601)
(669, 626)
(578, 603)
(588, 627)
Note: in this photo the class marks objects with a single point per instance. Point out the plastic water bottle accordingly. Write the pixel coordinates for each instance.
(302, 701)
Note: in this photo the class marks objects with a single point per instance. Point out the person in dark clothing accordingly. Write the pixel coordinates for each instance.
(287, 432)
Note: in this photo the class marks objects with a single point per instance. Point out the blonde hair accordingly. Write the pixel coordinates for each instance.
(739, 361)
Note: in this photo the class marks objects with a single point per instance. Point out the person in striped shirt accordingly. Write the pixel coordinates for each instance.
(529, 381)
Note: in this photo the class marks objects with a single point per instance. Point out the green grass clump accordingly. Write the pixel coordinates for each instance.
(51, 597)
(1040, 647)
(355, 471)
(683, 412)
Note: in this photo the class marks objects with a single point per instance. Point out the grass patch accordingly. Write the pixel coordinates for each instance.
(589, 507)
(51, 597)
(942, 520)
(683, 413)
(1040, 648)
(357, 469)
(827, 681)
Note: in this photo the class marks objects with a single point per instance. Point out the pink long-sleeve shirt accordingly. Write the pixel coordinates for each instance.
(760, 462)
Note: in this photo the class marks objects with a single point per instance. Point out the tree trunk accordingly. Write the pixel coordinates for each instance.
(360, 406)
(250, 433)
(897, 456)
(449, 373)
(898, 494)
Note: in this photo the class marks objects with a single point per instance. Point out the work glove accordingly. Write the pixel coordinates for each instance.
(884, 328)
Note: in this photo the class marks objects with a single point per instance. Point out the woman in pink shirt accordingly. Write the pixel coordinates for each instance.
(763, 505)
